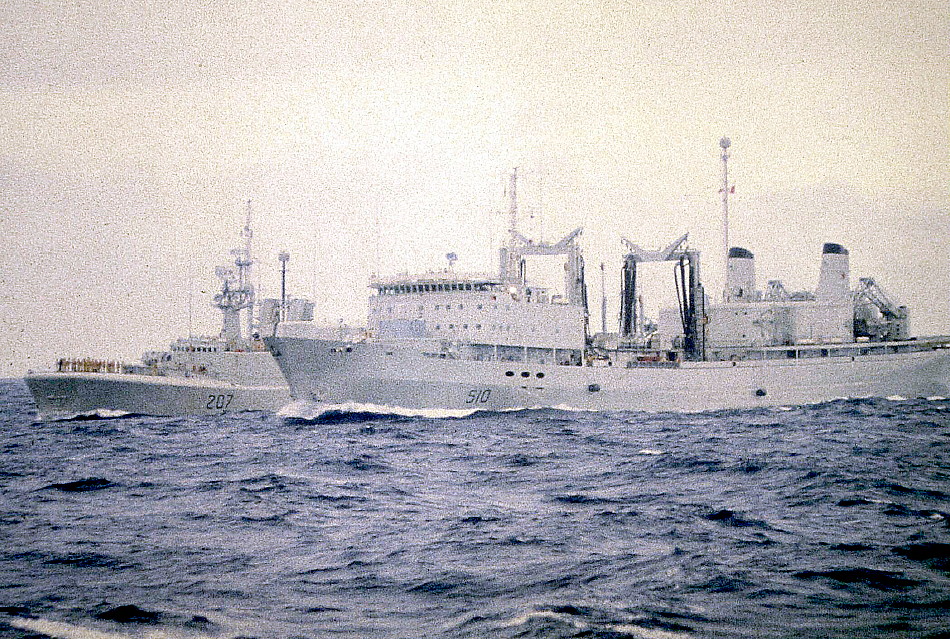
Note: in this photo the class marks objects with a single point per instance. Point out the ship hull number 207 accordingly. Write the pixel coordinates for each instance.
(219, 402)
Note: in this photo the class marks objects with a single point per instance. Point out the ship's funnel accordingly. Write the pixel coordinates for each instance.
(740, 275)
(834, 281)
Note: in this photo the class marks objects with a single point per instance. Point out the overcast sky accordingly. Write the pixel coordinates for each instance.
(376, 136)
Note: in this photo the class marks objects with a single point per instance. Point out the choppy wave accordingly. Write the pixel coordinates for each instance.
(92, 415)
(309, 411)
(197, 627)
(304, 410)
(829, 520)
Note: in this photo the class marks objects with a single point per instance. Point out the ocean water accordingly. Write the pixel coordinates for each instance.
(830, 520)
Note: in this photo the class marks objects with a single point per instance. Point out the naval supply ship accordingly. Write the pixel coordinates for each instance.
(204, 375)
(457, 342)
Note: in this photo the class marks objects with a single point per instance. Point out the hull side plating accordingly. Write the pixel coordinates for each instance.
(60, 395)
(402, 374)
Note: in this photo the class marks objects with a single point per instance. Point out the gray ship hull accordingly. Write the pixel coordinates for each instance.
(410, 374)
(67, 394)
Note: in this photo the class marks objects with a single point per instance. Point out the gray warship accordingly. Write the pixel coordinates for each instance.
(196, 375)
(458, 342)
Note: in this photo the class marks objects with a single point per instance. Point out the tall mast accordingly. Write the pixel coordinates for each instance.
(513, 204)
(248, 235)
(603, 299)
(237, 291)
(191, 286)
(509, 260)
(724, 144)
(284, 257)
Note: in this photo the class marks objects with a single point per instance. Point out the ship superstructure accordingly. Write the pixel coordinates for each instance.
(502, 317)
(444, 340)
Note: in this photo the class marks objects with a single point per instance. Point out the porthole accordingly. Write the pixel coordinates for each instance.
(525, 374)
(509, 373)
(540, 375)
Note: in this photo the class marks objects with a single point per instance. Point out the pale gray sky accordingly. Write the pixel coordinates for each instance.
(374, 135)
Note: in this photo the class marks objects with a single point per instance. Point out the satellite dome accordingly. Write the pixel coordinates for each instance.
(725, 143)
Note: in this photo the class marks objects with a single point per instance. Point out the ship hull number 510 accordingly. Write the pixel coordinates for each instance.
(476, 396)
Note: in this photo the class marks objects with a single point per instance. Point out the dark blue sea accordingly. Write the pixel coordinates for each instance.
(830, 520)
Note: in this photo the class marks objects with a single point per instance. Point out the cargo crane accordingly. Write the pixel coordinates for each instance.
(688, 288)
(876, 315)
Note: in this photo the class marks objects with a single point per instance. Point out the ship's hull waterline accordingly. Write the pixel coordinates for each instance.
(68, 394)
(399, 375)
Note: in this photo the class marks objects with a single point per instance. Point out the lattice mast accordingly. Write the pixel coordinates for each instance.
(237, 290)
(724, 145)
